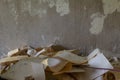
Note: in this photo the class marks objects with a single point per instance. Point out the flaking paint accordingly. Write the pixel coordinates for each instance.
(39, 7)
(109, 6)
(97, 23)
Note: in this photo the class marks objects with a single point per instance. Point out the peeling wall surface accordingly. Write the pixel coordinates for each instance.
(83, 24)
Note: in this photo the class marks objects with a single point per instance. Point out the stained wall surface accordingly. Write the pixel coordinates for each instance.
(83, 24)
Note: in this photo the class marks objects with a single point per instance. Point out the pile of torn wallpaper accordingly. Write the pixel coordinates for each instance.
(57, 63)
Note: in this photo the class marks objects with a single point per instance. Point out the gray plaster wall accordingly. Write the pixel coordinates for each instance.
(26, 25)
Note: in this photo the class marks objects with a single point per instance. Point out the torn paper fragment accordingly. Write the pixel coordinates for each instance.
(56, 64)
(40, 52)
(75, 51)
(18, 71)
(66, 55)
(66, 68)
(12, 59)
(45, 63)
(53, 62)
(38, 71)
(43, 56)
(100, 61)
(10, 53)
(31, 52)
(24, 69)
(93, 54)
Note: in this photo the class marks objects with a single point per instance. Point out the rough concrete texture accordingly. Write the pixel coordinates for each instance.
(25, 24)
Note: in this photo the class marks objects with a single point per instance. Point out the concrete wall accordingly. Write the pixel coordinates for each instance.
(84, 24)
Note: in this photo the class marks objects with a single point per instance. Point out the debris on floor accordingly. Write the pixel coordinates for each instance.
(57, 63)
